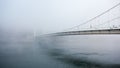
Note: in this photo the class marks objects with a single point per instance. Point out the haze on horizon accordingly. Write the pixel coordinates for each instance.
(48, 16)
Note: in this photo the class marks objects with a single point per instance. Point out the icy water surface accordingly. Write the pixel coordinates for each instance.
(80, 51)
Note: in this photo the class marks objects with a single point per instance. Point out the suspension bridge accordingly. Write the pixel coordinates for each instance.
(104, 23)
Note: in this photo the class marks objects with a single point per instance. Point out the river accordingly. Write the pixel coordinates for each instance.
(77, 51)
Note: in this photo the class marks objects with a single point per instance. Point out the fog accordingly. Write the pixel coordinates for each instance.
(48, 16)
(22, 21)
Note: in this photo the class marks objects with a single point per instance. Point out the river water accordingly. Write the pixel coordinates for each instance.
(77, 51)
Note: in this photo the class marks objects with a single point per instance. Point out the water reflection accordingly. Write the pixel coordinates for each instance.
(60, 50)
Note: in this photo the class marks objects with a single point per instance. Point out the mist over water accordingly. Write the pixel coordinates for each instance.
(79, 51)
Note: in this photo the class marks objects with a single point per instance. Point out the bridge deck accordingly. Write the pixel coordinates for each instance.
(88, 32)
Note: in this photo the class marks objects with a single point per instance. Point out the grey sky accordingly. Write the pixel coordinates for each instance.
(49, 16)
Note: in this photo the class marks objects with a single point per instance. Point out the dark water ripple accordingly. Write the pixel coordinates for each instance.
(78, 61)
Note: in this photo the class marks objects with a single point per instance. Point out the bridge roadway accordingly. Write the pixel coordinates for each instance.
(88, 32)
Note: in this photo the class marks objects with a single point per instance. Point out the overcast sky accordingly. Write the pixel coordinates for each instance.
(47, 16)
